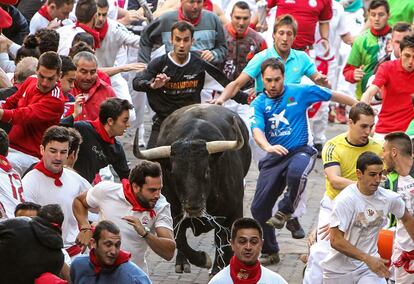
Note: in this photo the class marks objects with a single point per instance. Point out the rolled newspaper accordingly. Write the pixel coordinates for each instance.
(262, 13)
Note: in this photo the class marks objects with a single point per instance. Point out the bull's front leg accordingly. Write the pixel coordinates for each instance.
(186, 254)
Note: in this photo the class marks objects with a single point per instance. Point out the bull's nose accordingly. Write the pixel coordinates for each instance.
(193, 211)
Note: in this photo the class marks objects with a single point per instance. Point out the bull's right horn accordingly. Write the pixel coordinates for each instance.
(150, 154)
(225, 145)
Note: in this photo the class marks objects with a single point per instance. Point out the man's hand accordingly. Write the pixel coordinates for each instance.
(324, 232)
(83, 239)
(159, 81)
(132, 16)
(54, 24)
(359, 73)
(277, 149)
(207, 55)
(136, 223)
(218, 101)
(378, 266)
(77, 107)
(4, 44)
(321, 80)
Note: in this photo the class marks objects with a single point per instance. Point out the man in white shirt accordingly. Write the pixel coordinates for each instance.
(11, 190)
(398, 158)
(51, 15)
(244, 267)
(49, 182)
(113, 36)
(137, 207)
(359, 213)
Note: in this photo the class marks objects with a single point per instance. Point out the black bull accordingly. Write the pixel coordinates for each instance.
(204, 153)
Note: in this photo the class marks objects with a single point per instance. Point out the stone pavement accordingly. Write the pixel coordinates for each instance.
(290, 266)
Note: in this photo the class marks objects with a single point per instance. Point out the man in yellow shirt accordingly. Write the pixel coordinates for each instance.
(339, 157)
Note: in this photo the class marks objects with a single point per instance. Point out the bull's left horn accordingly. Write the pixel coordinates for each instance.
(225, 145)
(150, 154)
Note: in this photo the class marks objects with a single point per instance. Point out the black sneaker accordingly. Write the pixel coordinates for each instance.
(278, 220)
(295, 228)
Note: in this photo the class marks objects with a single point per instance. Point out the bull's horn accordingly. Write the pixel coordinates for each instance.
(223, 145)
(150, 154)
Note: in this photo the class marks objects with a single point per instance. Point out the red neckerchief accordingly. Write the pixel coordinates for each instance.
(181, 17)
(382, 32)
(92, 32)
(5, 164)
(45, 13)
(100, 129)
(41, 167)
(49, 278)
(130, 197)
(233, 32)
(244, 274)
(122, 258)
(404, 260)
(102, 31)
(208, 5)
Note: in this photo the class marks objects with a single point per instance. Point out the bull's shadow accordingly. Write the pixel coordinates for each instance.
(204, 154)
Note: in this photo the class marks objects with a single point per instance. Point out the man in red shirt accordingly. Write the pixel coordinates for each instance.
(307, 13)
(38, 104)
(89, 85)
(394, 79)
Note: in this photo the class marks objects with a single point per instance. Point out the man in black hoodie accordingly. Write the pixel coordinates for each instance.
(31, 246)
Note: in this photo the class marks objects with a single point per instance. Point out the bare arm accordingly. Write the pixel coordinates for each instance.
(219, 12)
(261, 140)
(324, 32)
(343, 99)
(339, 243)
(4, 80)
(369, 94)
(333, 175)
(320, 79)
(231, 89)
(110, 71)
(80, 211)
(162, 243)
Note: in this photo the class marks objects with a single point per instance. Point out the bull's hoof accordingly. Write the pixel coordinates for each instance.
(183, 267)
(180, 268)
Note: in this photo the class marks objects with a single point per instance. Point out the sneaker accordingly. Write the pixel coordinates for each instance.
(295, 228)
(278, 220)
(319, 148)
(269, 259)
(340, 114)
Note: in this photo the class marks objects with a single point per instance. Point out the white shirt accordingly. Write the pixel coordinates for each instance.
(116, 36)
(38, 22)
(66, 34)
(405, 188)
(11, 191)
(109, 197)
(42, 190)
(268, 277)
(360, 217)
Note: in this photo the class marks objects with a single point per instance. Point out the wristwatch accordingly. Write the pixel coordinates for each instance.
(147, 231)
